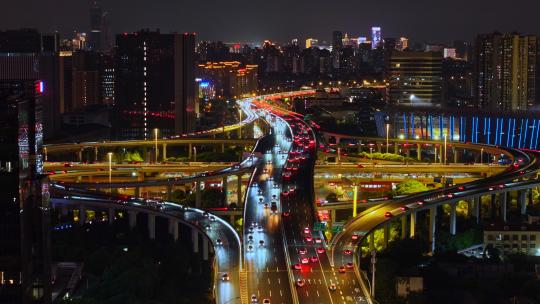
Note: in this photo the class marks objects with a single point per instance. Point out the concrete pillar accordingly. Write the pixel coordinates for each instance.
(403, 227)
(222, 148)
(455, 155)
(413, 224)
(504, 201)
(138, 191)
(173, 228)
(190, 151)
(522, 198)
(492, 207)
(396, 147)
(372, 242)
(333, 215)
(441, 154)
(224, 189)
(198, 194)
(79, 155)
(232, 219)
(477, 202)
(82, 214)
(419, 152)
(96, 153)
(239, 190)
(195, 240)
(453, 218)
(432, 225)
(164, 152)
(386, 235)
(151, 226)
(469, 208)
(169, 191)
(132, 219)
(379, 147)
(111, 216)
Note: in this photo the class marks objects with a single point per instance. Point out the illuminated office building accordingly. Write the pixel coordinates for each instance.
(402, 44)
(505, 71)
(229, 78)
(415, 77)
(311, 42)
(376, 37)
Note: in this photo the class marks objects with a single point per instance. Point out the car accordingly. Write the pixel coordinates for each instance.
(250, 248)
(332, 287)
(261, 243)
(255, 184)
(306, 230)
(250, 238)
(388, 214)
(347, 252)
(219, 242)
(286, 213)
(349, 265)
(342, 269)
(314, 259)
(354, 237)
(259, 192)
(297, 266)
(274, 196)
(300, 282)
(254, 299)
(450, 195)
(302, 250)
(318, 240)
(250, 229)
(259, 228)
(321, 250)
(266, 301)
(308, 238)
(212, 218)
(261, 200)
(208, 227)
(266, 206)
(206, 214)
(403, 208)
(273, 208)
(304, 260)
(225, 277)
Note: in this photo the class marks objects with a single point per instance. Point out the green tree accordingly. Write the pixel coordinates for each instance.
(410, 186)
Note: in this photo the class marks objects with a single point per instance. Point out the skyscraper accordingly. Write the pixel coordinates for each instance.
(402, 44)
(337, 40)
(96, 26)
(154, 80)
(415, 77)
(25, 269)
(376, 37)
(505, 71)
(311, 42)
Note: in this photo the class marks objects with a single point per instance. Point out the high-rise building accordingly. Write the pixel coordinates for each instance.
(86, 80)
(154, 78)
(96, 24)
(337, 40)
(505, 71)
(376, 37)
(402, 44)
(25, 266)
(229, 79)
(311, 42)
(415, 77)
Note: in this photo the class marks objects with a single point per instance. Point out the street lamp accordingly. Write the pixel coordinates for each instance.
(240, 123)
(445, 142)
(194, 154)
(109, 156)
(387, 135)
(155, 141)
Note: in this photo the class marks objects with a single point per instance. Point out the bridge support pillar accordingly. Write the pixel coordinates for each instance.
(173, 229)
(432, 225)
(477, 202)
(455, 155)
(82, 214)
(419, 152)
(396, 147)
(151, 226)
(492, 206)
(190, 150)
(333, 215)
(224, 189)
(205, 249)
(413, 224)
(504, 201)
(195, 239)
(403, 227)
(522, 194)
(80, 154)
(138, 191)
(169, 191)
(386, 235)
(453, 218)
(232, 219)
(222, 148)
(111, 216)
(198, 194)
(372, 242)
(164, 152)
(379, 147)
(239, 190)
(132, 219)
(96, 154)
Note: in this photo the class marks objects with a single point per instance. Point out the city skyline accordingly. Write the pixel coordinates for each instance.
(459, 20)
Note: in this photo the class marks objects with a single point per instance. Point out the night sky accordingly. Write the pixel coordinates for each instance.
(281, 20)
